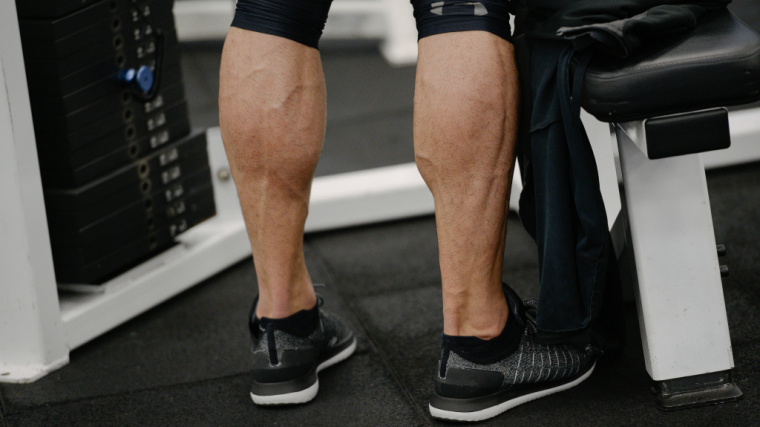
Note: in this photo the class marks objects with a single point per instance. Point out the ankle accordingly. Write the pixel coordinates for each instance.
(481, 319)
(279, 305)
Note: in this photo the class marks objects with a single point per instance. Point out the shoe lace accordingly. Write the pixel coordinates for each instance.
(530, 306)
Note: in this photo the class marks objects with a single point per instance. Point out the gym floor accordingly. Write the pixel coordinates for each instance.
(185, 362)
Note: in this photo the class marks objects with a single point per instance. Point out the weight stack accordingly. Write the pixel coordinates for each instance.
(122, 172)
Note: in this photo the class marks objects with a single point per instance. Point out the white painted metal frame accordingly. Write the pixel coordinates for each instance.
(679, 294)
(32, 337)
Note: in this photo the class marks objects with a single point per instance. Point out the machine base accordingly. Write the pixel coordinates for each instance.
(697, 390)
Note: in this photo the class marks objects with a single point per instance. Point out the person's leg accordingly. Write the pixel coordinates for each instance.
(465, 123)
(465, 135)
(272, 117)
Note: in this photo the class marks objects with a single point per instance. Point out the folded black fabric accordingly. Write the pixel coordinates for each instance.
(616, 27)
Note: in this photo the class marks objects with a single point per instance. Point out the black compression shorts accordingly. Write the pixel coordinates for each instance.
(303, 20)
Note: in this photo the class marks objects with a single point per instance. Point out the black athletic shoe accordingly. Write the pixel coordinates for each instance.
(468, 391)
(287, 358)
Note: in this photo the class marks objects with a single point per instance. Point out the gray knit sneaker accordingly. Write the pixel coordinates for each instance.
(286, 360)
(467, 391)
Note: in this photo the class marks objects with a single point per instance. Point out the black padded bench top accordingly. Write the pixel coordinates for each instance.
(716, 64)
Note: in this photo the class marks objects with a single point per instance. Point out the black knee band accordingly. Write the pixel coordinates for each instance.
(449, 16)
(299, 20)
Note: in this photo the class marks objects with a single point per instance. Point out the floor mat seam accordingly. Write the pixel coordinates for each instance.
(23, 409)
(349, 301)
(2, 409)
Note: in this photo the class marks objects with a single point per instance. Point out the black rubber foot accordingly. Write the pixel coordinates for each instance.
(697, 390)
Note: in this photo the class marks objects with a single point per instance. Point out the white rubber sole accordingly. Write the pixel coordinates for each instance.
(310, 393)
(493, 411)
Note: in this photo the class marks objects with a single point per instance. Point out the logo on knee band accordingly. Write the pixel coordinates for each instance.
(479, 9)
(448, 16)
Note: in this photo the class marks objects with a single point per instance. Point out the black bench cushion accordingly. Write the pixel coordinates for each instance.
(716, 64)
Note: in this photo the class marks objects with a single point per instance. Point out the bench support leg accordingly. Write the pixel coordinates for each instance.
(679, 294)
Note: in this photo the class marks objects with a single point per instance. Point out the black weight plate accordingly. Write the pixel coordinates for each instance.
(120, 228)
(43, 62)
(59, 171)
(106, 87)
(145, 145)
(158, 196)
(49, 27)
(124, 156)
(110, 124)
(112, 133)
(131, 194)
(88, 113)
(98, 33)
(78, 270)
(73, 223)
(50, 8)
(167, 95)
(55, 77)
(128, 183)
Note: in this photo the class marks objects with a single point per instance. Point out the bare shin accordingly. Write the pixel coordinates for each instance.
(465, 122)
(272, 117)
